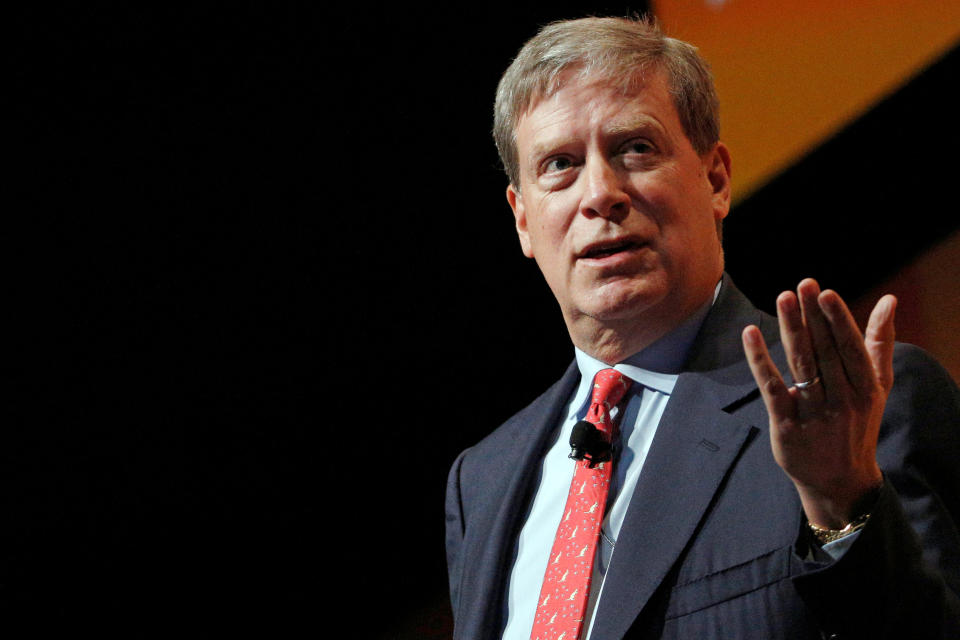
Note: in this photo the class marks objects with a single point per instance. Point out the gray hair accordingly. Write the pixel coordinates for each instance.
(616, 50)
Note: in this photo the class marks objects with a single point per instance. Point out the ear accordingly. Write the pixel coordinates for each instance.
(515, 198)
(717, 164)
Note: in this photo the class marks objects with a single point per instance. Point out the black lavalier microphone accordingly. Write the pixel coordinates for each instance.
(587, 442)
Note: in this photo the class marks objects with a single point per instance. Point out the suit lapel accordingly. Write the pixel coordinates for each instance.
(697, 442)
(693, 450)
(491, 540)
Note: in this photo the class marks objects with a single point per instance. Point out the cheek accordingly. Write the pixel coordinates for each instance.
(681, 200)
(553, 220)
(659, 191)
(688, 230)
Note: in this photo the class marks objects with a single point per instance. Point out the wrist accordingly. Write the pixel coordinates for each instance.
(825, 536)
(862, 511)
(840, 504)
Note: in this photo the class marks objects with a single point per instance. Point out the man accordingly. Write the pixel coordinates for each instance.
(734, 505)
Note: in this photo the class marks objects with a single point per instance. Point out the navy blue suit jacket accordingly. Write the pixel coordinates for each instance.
(714, 544)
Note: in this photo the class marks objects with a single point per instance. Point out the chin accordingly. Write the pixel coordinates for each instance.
(619, 301)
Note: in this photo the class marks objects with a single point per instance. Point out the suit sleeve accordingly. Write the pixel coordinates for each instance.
(901, 577)
(454, 530)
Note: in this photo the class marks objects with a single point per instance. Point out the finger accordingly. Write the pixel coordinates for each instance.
(796, 338)
(879, 340)
(825, 351)
(849, 343)
(776, 396)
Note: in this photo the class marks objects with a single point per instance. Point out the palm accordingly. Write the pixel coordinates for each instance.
(824, 436)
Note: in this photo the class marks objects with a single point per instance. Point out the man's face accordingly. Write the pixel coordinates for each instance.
(618, 209)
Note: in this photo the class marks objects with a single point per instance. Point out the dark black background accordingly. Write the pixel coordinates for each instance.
(267, 288)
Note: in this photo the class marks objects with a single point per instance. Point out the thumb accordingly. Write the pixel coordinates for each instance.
(879, 340)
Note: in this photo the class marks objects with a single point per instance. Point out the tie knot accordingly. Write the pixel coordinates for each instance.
(609, 385)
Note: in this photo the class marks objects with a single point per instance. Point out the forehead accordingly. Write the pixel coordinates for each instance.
(579, 105)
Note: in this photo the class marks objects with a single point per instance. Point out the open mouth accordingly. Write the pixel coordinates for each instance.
(603, 250)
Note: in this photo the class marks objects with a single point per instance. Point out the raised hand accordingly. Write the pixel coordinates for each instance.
(824, 428)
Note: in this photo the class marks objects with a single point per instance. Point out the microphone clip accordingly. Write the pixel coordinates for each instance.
(588, 443)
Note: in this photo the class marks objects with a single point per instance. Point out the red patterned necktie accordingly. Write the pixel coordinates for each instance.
(566, 584)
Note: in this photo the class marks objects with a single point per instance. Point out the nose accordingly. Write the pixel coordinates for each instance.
(604, 193)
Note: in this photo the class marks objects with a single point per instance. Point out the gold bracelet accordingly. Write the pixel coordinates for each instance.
(829, 535)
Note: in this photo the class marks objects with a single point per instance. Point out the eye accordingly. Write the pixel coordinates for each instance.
(558, 164)
(639, 146)
(638, 154)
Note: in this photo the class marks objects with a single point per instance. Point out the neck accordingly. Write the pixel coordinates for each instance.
(613, 341)
(612, 344)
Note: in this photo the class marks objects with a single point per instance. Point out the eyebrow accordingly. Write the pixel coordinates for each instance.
(639, 124)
